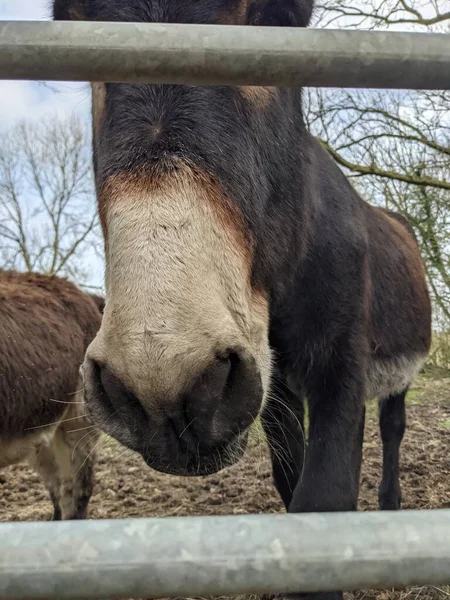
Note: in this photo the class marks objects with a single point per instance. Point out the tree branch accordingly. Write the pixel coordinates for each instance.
(422, 180)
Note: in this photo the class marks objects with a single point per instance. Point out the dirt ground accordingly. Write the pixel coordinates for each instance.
(127, 488)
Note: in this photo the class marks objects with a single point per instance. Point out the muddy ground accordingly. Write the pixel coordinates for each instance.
(127, 488)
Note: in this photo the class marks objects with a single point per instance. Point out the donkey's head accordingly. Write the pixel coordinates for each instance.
(185, 176)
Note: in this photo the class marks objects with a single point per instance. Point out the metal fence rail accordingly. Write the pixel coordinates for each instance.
(219, 54)
(223, 555)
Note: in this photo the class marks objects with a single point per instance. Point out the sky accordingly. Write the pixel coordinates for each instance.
(30, 100)
(33, 101)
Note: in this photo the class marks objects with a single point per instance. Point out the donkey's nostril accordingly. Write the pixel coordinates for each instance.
(194, 433)
(225, 399)
(94, 386)
(214, 379)
(214, 382)
(116, 402)
(234, 361)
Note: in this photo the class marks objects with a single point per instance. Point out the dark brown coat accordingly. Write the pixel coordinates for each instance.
(46, 324)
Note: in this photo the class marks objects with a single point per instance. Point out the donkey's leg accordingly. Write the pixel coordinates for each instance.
(392, 428)
(282, 420)
(42, 460)
(331, 474)
(76, 472)
(74, 448)
(333, 460)
(357, 452)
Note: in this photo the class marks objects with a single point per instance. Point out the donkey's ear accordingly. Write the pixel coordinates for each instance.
(280, 13)
(69, 10)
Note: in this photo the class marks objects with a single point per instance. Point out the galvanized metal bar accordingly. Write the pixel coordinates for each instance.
(222, 55)
(223, 555)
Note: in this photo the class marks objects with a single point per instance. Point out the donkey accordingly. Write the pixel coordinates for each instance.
(47, 324)
(238, 255)
(99, 301)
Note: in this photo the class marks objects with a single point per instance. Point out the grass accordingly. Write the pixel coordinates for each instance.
(433, 371)
(416, 396)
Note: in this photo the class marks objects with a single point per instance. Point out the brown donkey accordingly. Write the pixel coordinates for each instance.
(46, 324)
(240, 260)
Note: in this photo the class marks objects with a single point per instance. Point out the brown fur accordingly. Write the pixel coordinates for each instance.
(47, 324)
(398, 249)
(257, 96)
(400, 219)
(120, 187)
(98, 105)
(237, 15)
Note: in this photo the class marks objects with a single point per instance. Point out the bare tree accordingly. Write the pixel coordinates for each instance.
(48, 219)
(394, 145)
(398, 136)
(378, 14)
(396, 148)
